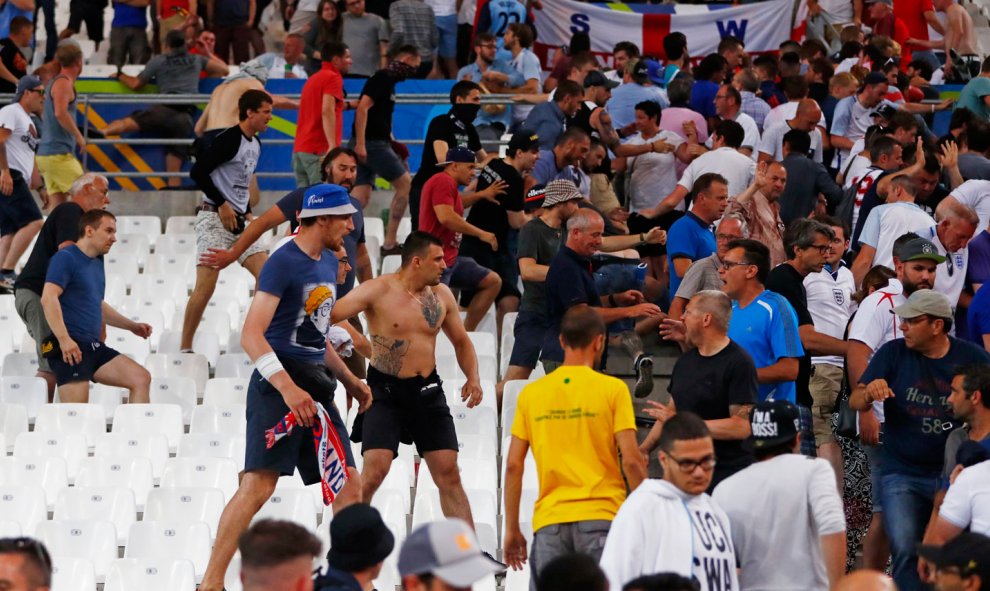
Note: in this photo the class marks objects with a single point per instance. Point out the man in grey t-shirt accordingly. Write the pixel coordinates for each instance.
(703, 274)
(175, 72)
(367, 35)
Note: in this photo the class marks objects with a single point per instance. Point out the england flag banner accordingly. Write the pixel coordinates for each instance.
(762, 26)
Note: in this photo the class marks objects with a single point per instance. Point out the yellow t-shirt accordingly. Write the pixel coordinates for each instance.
(570, 418)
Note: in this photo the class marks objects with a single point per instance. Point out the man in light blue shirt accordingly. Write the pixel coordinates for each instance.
(549, 119)
(495, 73)
(633, 90)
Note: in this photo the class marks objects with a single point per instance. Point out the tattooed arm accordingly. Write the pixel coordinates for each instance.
(387, 354)
(453, 327)
(734, 427)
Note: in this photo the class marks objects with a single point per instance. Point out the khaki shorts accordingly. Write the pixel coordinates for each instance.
(826, 380)
(210, 233)
(306, 168)
(28, 307)
(59, 171)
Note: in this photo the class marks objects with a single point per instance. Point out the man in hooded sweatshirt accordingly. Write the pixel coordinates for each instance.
(672, 525)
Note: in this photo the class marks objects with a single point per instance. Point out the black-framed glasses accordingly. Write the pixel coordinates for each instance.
(822, 248)
(29, 546)
(726, 237)
(726, 265)
(687, 466)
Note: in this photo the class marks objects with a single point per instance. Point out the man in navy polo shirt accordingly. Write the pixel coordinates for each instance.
(690, 238)
(570, 283)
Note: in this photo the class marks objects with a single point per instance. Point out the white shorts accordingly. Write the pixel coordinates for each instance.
(210, 233)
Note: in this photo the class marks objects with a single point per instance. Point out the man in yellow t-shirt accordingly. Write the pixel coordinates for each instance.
(577, 421)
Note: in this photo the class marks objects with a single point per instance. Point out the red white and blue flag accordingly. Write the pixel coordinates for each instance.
(329, 450)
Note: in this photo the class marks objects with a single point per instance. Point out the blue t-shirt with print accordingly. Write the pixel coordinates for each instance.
(688, 237)
(307, 290)
(914, 419)
(768, 330)
(83, 284)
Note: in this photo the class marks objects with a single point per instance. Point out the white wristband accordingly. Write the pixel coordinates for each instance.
(268, 365)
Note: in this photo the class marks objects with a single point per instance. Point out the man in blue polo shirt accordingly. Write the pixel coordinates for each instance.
(763, 322)
(690, 238)
(570, 283)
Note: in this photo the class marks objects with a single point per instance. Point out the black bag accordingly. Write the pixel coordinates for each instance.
(847, 424)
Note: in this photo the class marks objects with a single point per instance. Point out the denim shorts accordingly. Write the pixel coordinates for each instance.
(447, 34)
(382, 161)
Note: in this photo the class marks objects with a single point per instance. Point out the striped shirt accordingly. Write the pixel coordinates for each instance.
(413, 23)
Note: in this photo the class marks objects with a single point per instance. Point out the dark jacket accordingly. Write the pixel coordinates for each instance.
(336, 580)
(805, 180)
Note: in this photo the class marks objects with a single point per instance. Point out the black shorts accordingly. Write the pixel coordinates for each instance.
(409, 410)
(19, 208)
(503, 263)
(169, 122)
(265, 408)
(529, 330)
(464, 274)
(89, 12)
(94, 356)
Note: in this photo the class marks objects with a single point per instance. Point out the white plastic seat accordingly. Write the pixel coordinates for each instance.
(452, 390)
(13, 422)
(235, 282)
(12, 529)
(234, 365)
(161, 540)
(113, 504)
(205, 343)
(168, 285)
(483, 512)
(30, 391)
(213, 445)
(132, 473)
(150, 574)
(234, 341)
(92, 540)
(531, 479)
(510, 396)
(106, 398)
(189, 365)
(397, 480)
(73, 574)
(146, 225)
(115, 292)
(391, 263)
(6, 345)
(83, 418)
(290, 504)
(212, 418)
(475, 447)
(12, 324)
(71, 447)
(128, 343)
(148, 315)
(165, 419)
(137, 245)
(185, 505)
(486, 584)
(481, 420)
(392, 504)
(231, 306)
(374, 226)
(173, 265)
(24, 504)
(50, 474)
(148, 445)
(137, 307)
(180, 224)
(405, 228)
(177, 390)
(178, 243)
(477, 474)
(517, 580)
(7, 304)
(20, 364)
(120, 263)
(219, 473)
(527, 504)
(223, 391)
(448, 368)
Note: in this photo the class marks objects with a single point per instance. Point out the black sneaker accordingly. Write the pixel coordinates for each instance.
(644, 376)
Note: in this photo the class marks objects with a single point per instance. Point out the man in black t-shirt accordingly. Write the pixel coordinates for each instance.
(372, 140)
(13, 64)
(502, 216)
(807, 243)
(453, 129)
(715, 379)
(61, 229)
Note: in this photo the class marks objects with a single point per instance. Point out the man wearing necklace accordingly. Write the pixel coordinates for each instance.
(405, 311)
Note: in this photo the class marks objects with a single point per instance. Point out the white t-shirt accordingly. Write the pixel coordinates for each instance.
(527, 64)
(830, 303)
(874, 324)
(772, 142)
(779, 509)
(278, 69)
(888, 222)
(781, 113)
(443, 7)
(967, 503)
(737, 168)
(751, 134)
(976, 194)
(23, 140)
(950, 276)
(654, 175)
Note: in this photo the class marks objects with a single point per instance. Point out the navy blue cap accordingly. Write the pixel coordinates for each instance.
(463, 155)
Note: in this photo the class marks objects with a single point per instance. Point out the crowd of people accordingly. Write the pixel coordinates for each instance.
(790, 224)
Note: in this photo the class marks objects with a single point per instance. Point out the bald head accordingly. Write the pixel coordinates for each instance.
(865, 580)
(808, 115)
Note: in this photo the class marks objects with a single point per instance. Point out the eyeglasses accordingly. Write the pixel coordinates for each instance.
(726, 265)
(27, 546)
(822, 248)
(344, 261)
(687, 466)
(40, 91)
(488, 46)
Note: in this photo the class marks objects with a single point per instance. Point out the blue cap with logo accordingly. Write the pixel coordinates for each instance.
(326, 199)
(458, 154)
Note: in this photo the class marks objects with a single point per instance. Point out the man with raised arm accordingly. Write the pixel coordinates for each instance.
(405, 311)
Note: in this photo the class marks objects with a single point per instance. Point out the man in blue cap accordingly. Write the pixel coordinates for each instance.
(290, 399)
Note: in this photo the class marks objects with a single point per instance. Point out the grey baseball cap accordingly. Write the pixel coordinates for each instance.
(919, 249)
(449, 550)
(925, 302)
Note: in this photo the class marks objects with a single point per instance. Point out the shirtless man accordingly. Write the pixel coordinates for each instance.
(405, 311)
(960, 36)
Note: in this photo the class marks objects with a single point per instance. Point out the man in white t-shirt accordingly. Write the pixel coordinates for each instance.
(831, 306)
(974, 193)
(806, 550)
(806, 119)
(290, 63)
(724, 159)
(654, 174)
(728, 105)
(853, 115)
(899, 215)
(956, 226)
(20, 218)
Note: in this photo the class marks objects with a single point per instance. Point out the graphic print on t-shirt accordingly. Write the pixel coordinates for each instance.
(318, 299)
(714, 559)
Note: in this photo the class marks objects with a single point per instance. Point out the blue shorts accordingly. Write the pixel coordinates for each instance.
(265, 408)
(19, 208)
(94, 356)
(529, 329)
(382, 161)
(808, 447)
(447, 35)
(465, 273)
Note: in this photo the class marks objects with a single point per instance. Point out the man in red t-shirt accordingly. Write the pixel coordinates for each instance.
(888, 24)
(321, 114)
(441, 214)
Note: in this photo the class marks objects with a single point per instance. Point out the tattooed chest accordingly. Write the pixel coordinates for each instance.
(432, 309)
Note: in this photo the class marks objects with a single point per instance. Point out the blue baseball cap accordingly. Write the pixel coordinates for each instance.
(326, 199)
(655, 72)
(458, 154)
